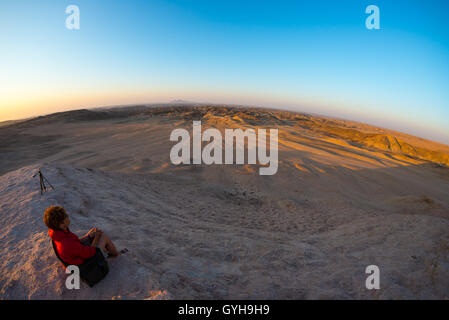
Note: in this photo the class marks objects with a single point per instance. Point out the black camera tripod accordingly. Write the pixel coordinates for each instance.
(42, 181)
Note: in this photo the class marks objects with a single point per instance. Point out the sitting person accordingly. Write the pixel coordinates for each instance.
(71, 249)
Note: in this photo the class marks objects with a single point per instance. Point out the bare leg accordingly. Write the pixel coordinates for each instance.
(107, 245)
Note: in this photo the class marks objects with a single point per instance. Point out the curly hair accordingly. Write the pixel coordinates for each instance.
(54, 216)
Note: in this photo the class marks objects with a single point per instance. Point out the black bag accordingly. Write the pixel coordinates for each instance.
(93, 270)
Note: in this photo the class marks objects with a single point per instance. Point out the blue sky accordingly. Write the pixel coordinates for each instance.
(312, 56)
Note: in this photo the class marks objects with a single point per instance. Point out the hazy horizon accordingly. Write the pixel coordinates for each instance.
(182, 101)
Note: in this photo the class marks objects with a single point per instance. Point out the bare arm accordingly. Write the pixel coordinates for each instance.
(96, 239)
(87, 235)
(84, 237)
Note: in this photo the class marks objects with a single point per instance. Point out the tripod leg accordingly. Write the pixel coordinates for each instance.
(45, 179)
(40, 182)
(43, 187)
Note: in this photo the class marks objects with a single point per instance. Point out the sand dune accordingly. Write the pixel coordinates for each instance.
(346, 195)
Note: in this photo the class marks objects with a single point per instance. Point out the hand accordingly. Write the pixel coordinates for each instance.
(91, 232)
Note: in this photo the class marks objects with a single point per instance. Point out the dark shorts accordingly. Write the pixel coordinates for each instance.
(86, 241)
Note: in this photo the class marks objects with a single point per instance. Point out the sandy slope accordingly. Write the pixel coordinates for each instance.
(29, 269)
(346, 196)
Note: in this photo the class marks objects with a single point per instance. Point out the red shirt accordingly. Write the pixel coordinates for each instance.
(70, 248)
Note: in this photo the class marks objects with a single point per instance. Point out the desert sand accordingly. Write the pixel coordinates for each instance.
(346, 195)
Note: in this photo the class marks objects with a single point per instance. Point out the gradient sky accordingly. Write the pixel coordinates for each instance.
(312, 56)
